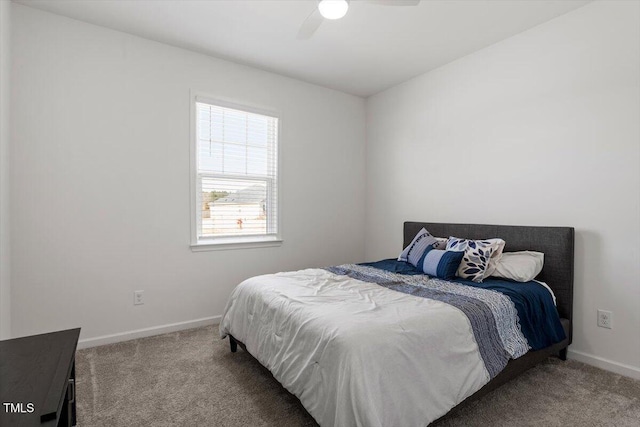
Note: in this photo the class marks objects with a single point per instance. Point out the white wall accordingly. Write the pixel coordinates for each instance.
(5, 67)
(539, 129)
(101, 145)
(542, 128)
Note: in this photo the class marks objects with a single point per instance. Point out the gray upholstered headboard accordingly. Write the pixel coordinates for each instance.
(555, 242)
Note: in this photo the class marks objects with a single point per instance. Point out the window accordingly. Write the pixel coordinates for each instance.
(236, 175)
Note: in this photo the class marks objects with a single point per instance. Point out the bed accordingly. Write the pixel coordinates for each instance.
(361, 345)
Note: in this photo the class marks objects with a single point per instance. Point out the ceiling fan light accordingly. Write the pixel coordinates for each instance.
(333, 9)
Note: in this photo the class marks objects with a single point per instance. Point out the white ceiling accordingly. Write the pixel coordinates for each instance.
(373, 48)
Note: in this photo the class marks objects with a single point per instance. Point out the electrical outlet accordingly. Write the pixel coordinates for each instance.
(605, 319)
(138, 297)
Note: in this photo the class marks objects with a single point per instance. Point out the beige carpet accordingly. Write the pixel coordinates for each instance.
(190, 378)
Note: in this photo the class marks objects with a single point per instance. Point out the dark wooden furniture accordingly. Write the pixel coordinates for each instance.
(37, 380)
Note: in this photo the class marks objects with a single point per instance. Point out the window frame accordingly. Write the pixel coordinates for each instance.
(230, 242)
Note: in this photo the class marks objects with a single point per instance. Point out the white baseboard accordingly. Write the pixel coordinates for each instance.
(147, 332)
(606, 364)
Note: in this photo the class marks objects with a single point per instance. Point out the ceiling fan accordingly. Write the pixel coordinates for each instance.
(336, 9)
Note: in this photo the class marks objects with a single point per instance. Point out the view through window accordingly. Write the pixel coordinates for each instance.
(236, 173)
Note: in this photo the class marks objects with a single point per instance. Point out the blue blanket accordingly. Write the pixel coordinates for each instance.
(538, 316)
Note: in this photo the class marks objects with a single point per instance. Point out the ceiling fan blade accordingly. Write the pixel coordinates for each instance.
(395, 2)
(310, 25)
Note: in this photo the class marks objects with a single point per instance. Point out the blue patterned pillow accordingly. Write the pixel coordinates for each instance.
(475, 260)
(413, 253)
(439, 263)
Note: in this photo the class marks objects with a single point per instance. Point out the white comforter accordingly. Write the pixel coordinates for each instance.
(355, 353)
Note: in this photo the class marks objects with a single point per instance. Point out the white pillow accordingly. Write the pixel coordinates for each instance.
(519, 266)
(441, 243)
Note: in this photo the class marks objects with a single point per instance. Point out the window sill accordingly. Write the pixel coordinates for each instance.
(235, 243)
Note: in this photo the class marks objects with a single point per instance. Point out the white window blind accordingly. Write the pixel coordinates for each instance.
(236, 183)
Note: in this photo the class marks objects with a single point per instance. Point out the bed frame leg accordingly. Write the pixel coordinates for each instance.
(563, 354)
(233, 344)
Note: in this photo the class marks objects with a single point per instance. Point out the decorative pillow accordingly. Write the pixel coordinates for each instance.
(439, 263)
(413, 253)
(441, 243)
(497, 255)
(519, 266)
(477, 254)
